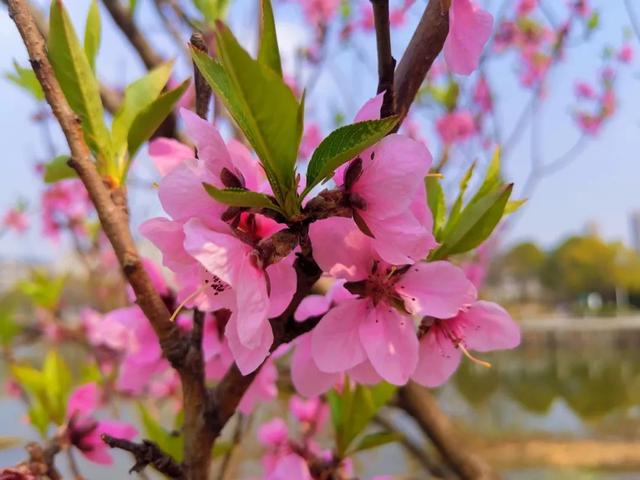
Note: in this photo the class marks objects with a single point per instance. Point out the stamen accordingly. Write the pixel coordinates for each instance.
(472, 358)
(190, 297)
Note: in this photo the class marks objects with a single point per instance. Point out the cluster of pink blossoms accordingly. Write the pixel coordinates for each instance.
(390, 316)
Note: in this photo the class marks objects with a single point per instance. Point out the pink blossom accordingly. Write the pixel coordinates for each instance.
(318, 12)
(469, 29)
(65, 204)
(16, 220)
(371, 327)
(590, 124)
(310, 140)
(525, 7)
(386, 186)
(584, 90)
(167, 153)
(85, 431)
(625, 54)
(291, 467)
(312, 411)
(262, 389)
(482, 95)
(273, 433)
(483, 327)
(456, 126)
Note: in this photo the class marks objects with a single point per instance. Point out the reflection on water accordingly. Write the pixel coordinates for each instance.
(555, 386)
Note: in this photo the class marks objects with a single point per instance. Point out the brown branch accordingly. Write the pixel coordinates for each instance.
(425, 45)
(423, 407)
(146, 453)
(386, 62)
(111, 209)
(417, 451)
(203, 90)
(123, 19)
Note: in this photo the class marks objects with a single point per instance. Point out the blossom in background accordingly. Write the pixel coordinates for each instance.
(456, 126)
(65, 205)
(84, 430)
(469, 30)
(15, 219)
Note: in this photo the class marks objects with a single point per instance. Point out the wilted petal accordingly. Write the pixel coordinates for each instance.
(437, 289)
(335, 342)
(391, 343)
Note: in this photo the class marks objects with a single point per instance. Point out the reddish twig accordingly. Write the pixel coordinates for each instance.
(386, 62)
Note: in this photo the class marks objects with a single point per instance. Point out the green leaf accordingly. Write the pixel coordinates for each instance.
(475, 223)
(356, 409)
(92, 34)
(492, 179)
(138, 96)
(132, 6)
(9, 328)
(376, 439)
(262, 105)
(43, 289)
(169, 442)
(212, 10)
(79, 84)
(29, 378)
(149, 119)
(594, 21)
(57, 381)
(26, 78)
(342, 145)
(39, 416)
(58, 169)
(514, 205)
(268, 52)
(221, 448)
(437, 204)
(237, 197)
(457, 204)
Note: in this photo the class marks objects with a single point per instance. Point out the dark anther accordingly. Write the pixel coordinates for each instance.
(352, 173)
(230, 179)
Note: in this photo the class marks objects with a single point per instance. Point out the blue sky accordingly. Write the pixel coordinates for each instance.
(600, 186)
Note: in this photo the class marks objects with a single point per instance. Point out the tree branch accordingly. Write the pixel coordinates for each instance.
(146, 453)
(386, 62)
(203, 90)
(123, 19)
(420, 404)
(111, 209)
(424, 47)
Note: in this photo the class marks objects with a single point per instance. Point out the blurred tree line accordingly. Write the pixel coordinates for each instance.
(569, 274)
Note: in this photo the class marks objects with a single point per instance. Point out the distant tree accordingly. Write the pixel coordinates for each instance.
(523, 264)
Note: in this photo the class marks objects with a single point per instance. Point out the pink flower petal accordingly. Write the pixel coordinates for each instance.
(365, 374)
(390, 179)
(470, 28)
(83, 400)
(307, 378)
(248, 359)
(252, 305)
(210, 146)
(262, 389)
(283, 283)
(371, 109)
(341, 249)
(312, 306)
(167, 153)
(291, 467)
(335, 342)
(168, 237)
(488, 327)
(391, 343)
(439, 358)
(437, 289)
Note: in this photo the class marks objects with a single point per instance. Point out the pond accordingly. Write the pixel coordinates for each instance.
(563, 405)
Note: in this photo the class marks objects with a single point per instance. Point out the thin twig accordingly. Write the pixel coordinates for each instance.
(386, 62)
(146, 453)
